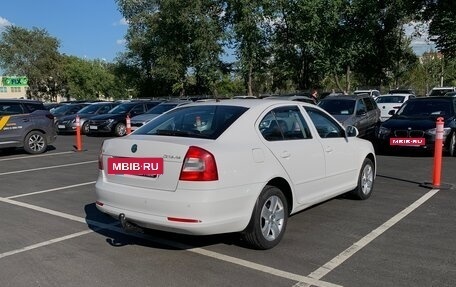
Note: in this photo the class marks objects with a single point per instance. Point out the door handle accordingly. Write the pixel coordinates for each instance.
(328, 149)
(25, 120)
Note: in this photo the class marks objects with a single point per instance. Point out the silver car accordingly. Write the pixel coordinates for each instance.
(360, 111)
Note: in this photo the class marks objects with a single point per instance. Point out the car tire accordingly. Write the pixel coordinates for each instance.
(365, 180)
(85, 129)
(35, 142)
(269, 219)
(451, 151)
(120, 130)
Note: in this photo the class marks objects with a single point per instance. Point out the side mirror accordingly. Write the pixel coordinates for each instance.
(351, 131)
(391, 112)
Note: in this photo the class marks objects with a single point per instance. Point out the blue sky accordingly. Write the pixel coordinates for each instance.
(92, 29)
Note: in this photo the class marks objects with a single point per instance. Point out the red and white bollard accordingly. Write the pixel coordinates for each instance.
(436, 183)
(128, 125)
(438, 152)
(78, 145)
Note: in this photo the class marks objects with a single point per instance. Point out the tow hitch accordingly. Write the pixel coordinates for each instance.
(129, 226)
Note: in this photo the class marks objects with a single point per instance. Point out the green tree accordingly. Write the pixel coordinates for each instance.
(91, 80)
(33, 53)
(174, 41)
(441, 15)
(249, 28)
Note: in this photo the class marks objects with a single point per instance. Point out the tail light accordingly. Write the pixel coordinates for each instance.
(100, 161)
(199, 165)
(100, 158)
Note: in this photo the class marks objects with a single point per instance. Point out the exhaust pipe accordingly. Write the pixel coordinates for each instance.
(128, 226)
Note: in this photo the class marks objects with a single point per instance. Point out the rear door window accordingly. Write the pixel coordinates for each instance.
(284, 123)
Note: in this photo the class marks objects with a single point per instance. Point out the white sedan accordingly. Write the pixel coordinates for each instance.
(232, 166)
(389, 102)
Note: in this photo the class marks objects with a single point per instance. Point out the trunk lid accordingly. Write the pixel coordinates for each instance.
(171, 149)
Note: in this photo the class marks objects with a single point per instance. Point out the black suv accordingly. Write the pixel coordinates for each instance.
(360, 111)
(27, 124)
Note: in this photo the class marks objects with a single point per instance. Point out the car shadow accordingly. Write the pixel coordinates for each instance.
(400, 179)
(110, 228)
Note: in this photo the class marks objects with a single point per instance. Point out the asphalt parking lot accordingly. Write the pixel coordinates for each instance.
(52, 234)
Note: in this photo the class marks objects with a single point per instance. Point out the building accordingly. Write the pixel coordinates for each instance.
(13, 87)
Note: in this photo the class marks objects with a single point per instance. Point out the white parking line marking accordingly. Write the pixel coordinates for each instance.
(45, 243)
(47, 167)
(215, 255)
(44, 210)
(63, 238)
(34, 156)
(52, 189)
(350, 251)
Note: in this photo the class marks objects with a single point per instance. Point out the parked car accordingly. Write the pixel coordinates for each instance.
(26, 124)
(67, 124)
(416, 119)
(360, 111)
(115, 121)
(208, 152)
(67, 109)
(402, 91)
(389, 102)
(372, 93)
(140, 120)
(52, 106)
(441, 91)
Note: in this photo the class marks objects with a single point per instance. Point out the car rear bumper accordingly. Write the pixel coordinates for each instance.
(211, 211)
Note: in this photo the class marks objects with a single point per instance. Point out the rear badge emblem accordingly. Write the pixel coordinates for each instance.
(134, 148)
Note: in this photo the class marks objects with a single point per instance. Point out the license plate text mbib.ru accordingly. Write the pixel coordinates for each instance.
(135, 166)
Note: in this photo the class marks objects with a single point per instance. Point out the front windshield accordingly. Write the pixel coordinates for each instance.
(193, 121)
(338, 106)
(122, 109)
(425, 108)
(62, 109)
(90, 109)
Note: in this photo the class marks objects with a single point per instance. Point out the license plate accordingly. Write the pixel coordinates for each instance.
(412, 142)
(136, 166)
(93, 127)
(61, 126)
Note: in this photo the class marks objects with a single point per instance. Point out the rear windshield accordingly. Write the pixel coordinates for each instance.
(195, 121)
(390, 100)
(122, 109)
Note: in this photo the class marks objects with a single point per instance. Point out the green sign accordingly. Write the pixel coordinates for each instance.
(14, 81)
